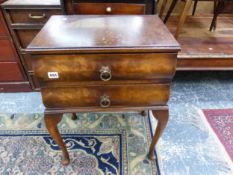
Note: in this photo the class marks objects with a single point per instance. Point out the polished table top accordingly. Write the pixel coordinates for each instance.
(95, 32)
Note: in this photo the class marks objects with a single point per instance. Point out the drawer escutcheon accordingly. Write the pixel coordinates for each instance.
(105, 101)
(105, 73)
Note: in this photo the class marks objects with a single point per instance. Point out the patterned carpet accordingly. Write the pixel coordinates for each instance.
(110, 144)
(221, 121)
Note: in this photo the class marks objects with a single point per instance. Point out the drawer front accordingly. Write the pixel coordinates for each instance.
(32, 16)
(106, 96)
(25, 36)
(104, 67)
(15, 87)
(108, 8)
(10, 71)
(3, 29)
(7, 52)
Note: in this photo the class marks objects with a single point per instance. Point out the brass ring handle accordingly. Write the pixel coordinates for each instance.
(108, 9)
(105, 101)
(36, 16)
(105, 73)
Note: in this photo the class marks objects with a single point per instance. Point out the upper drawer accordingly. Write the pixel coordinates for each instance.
(105, 67)
(31, 16)
(108, 8)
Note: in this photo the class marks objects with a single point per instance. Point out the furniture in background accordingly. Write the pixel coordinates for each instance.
(183, 14)
(110, 67)
(25, 19)
(201, 51)
(219, 8)
(195, 5)
(107, 7)
(164, 2)
(12, 75)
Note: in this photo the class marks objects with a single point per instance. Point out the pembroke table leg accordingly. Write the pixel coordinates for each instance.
(51, 121)
(162, 117)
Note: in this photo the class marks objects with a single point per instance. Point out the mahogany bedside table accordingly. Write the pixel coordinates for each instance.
(104, 63)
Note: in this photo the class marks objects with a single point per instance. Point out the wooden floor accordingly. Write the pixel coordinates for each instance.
(202, 49)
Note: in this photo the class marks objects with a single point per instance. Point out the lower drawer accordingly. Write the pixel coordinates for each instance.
(10, 71)
(106, 96)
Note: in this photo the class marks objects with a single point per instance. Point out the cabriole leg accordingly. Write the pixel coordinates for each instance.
(162, 118)
(51, 121)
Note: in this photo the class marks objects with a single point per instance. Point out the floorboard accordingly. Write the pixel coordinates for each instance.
(203, 49)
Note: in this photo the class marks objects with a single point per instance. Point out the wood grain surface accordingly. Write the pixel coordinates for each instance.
(90, 96)
(202, 49)
(31, 16)
(10, 71)
(79, 32)
(109, 8)
(87, 67)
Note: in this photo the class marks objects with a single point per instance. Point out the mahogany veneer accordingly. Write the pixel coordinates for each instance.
(7, 51)
(123, 66)
(25, 18)
(11, 72)
(108, 7)
(12, 76)
(104, 67)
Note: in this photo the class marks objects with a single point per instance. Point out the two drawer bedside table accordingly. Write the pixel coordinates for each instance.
(104, 63)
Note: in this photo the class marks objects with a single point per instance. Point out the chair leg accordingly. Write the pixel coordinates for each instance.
(182, 17)
(217, 9)
(164, 3)
(194, 7)
(215, 6)
(171, 8)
